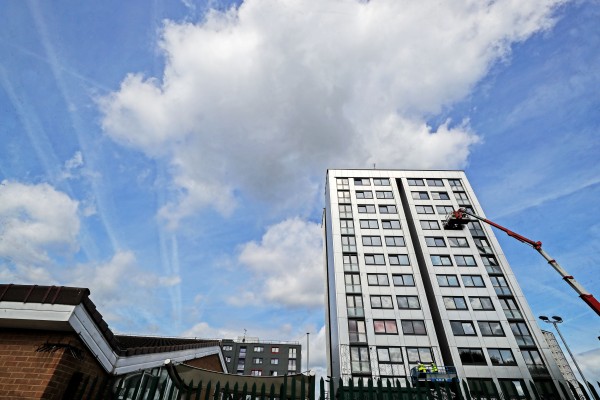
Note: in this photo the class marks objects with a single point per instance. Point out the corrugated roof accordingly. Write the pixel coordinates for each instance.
(123, 345)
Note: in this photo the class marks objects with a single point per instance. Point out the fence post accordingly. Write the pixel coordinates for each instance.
(217, 391)
(294, 382)
(207, 391)
(198, 392)
(593, 390)
(321, 389)
(244, 392)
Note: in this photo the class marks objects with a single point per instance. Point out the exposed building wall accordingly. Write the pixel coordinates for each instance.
(262, 358)
(29, 374)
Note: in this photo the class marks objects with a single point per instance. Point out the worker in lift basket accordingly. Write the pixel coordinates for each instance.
(421, 369)
(434, 368)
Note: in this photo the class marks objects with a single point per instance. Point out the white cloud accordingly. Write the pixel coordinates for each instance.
(589, 362)
(36, 220)
(287, 263)
(286, 89)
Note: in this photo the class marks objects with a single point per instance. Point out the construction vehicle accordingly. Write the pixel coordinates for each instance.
(457, 220)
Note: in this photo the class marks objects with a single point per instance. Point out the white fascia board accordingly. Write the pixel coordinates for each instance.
(145, 361)
(11, 310)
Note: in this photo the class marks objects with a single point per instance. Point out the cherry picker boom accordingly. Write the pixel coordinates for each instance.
(457, 220)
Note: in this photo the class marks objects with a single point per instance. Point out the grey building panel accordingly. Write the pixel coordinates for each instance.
(254, 357)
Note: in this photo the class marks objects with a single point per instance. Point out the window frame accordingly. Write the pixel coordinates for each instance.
(378, 278)
(483, 308)
(393, 240)
(369, 224)
(501, 352)
(415, 182)
(447, 276)
(440, 260)
(454, 299)
(403, 276)
(363, 194)
(485, 328)
(403, 260)
(366, 208)
(472, 278)
(408, 302)
(375, 257)
(458, 242)
(429, 225)
(435, 241)
(440, 196)
(462, 331)
(410, 325)
(467, 260)
(386, 323)
(391, 222)
(471, 350)
(371, 240)
(385, 209)
(379, 302)
(419, 195)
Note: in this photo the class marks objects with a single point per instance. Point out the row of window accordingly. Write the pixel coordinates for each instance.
(344, 195)
(344, 183)
(381, 279)
(355, 303)
(346, 209)
(359, 356)
(259, 349)
(475, 356)
(454, 183)
(393, 241)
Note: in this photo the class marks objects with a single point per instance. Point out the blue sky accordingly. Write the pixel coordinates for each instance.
(172, 156)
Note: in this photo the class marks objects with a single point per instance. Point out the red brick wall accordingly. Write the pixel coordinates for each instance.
(211, 363)
(27, 374)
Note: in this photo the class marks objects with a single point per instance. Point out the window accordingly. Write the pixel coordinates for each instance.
(418, 355)
(348, 244)
(399, 259)
(242, 353)
(408, 302)
(381, 302)
(444, 210)
(390, 224)
(403, 280)
(345, 211)
(491, 265)
(440, 196)
(273, 373)
(385, 326)
(394, 241)
(366, 209)
(475, 228)
(511, 310)
(416, 182)
(432, 241)
(240, 366)
(512, 388)
(359, 358)
(292, 353)
(435, 182)
(455, 303)
(501, 357)
(350, 263)
(291, 366)
(390, 361)
(532, 357)
(371, 241)
(413, 327)
(424, 209)
(384, 194)
(500, 285)
(346, 227)
(374, 259)
(387, 209)
(481, 387)
(381, 182)
(257, 360)
(429, 225)
(473, 281)
(471, 356)
(420, 195)
(447, 280)
(481, 303)
(455, 183)
(378, 280)
(274, 361)
(256, 372)
(352, 283)
(461, 196)
(465, 261)
(364, 194)
(357, 331)
(362, 182)
(227, 348)
(441, 261)
(463, 328)
(368, 224)
(490, 328)
(482, 245)
(354, 306)
(227, 359)
(521, 332)
(458, 242)
(343, 196)
(342, 183)
(275, 349)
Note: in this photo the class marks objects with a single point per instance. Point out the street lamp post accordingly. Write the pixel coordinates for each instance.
(555, 321)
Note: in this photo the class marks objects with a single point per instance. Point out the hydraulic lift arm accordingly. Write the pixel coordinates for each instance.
(457, 219)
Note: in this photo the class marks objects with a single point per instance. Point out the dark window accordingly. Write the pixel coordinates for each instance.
(490, 328)
(390, 224)
(399, 259)
(413, 327)
(378, 280)
(501, 357)
(455, 303)
(368, 224)
(511, 310)
(408, 302)
(441, 261)
(473, 281)
(403, 280)
(362, 182)
(463, 328)
(432, 241)
(374, 259)
(455, 183)
(521, 333)
(417, 355)
(471, 356)
(385, 326)
(357, 331)
(447, 280)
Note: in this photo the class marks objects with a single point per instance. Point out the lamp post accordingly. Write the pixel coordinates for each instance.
(555, 321)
